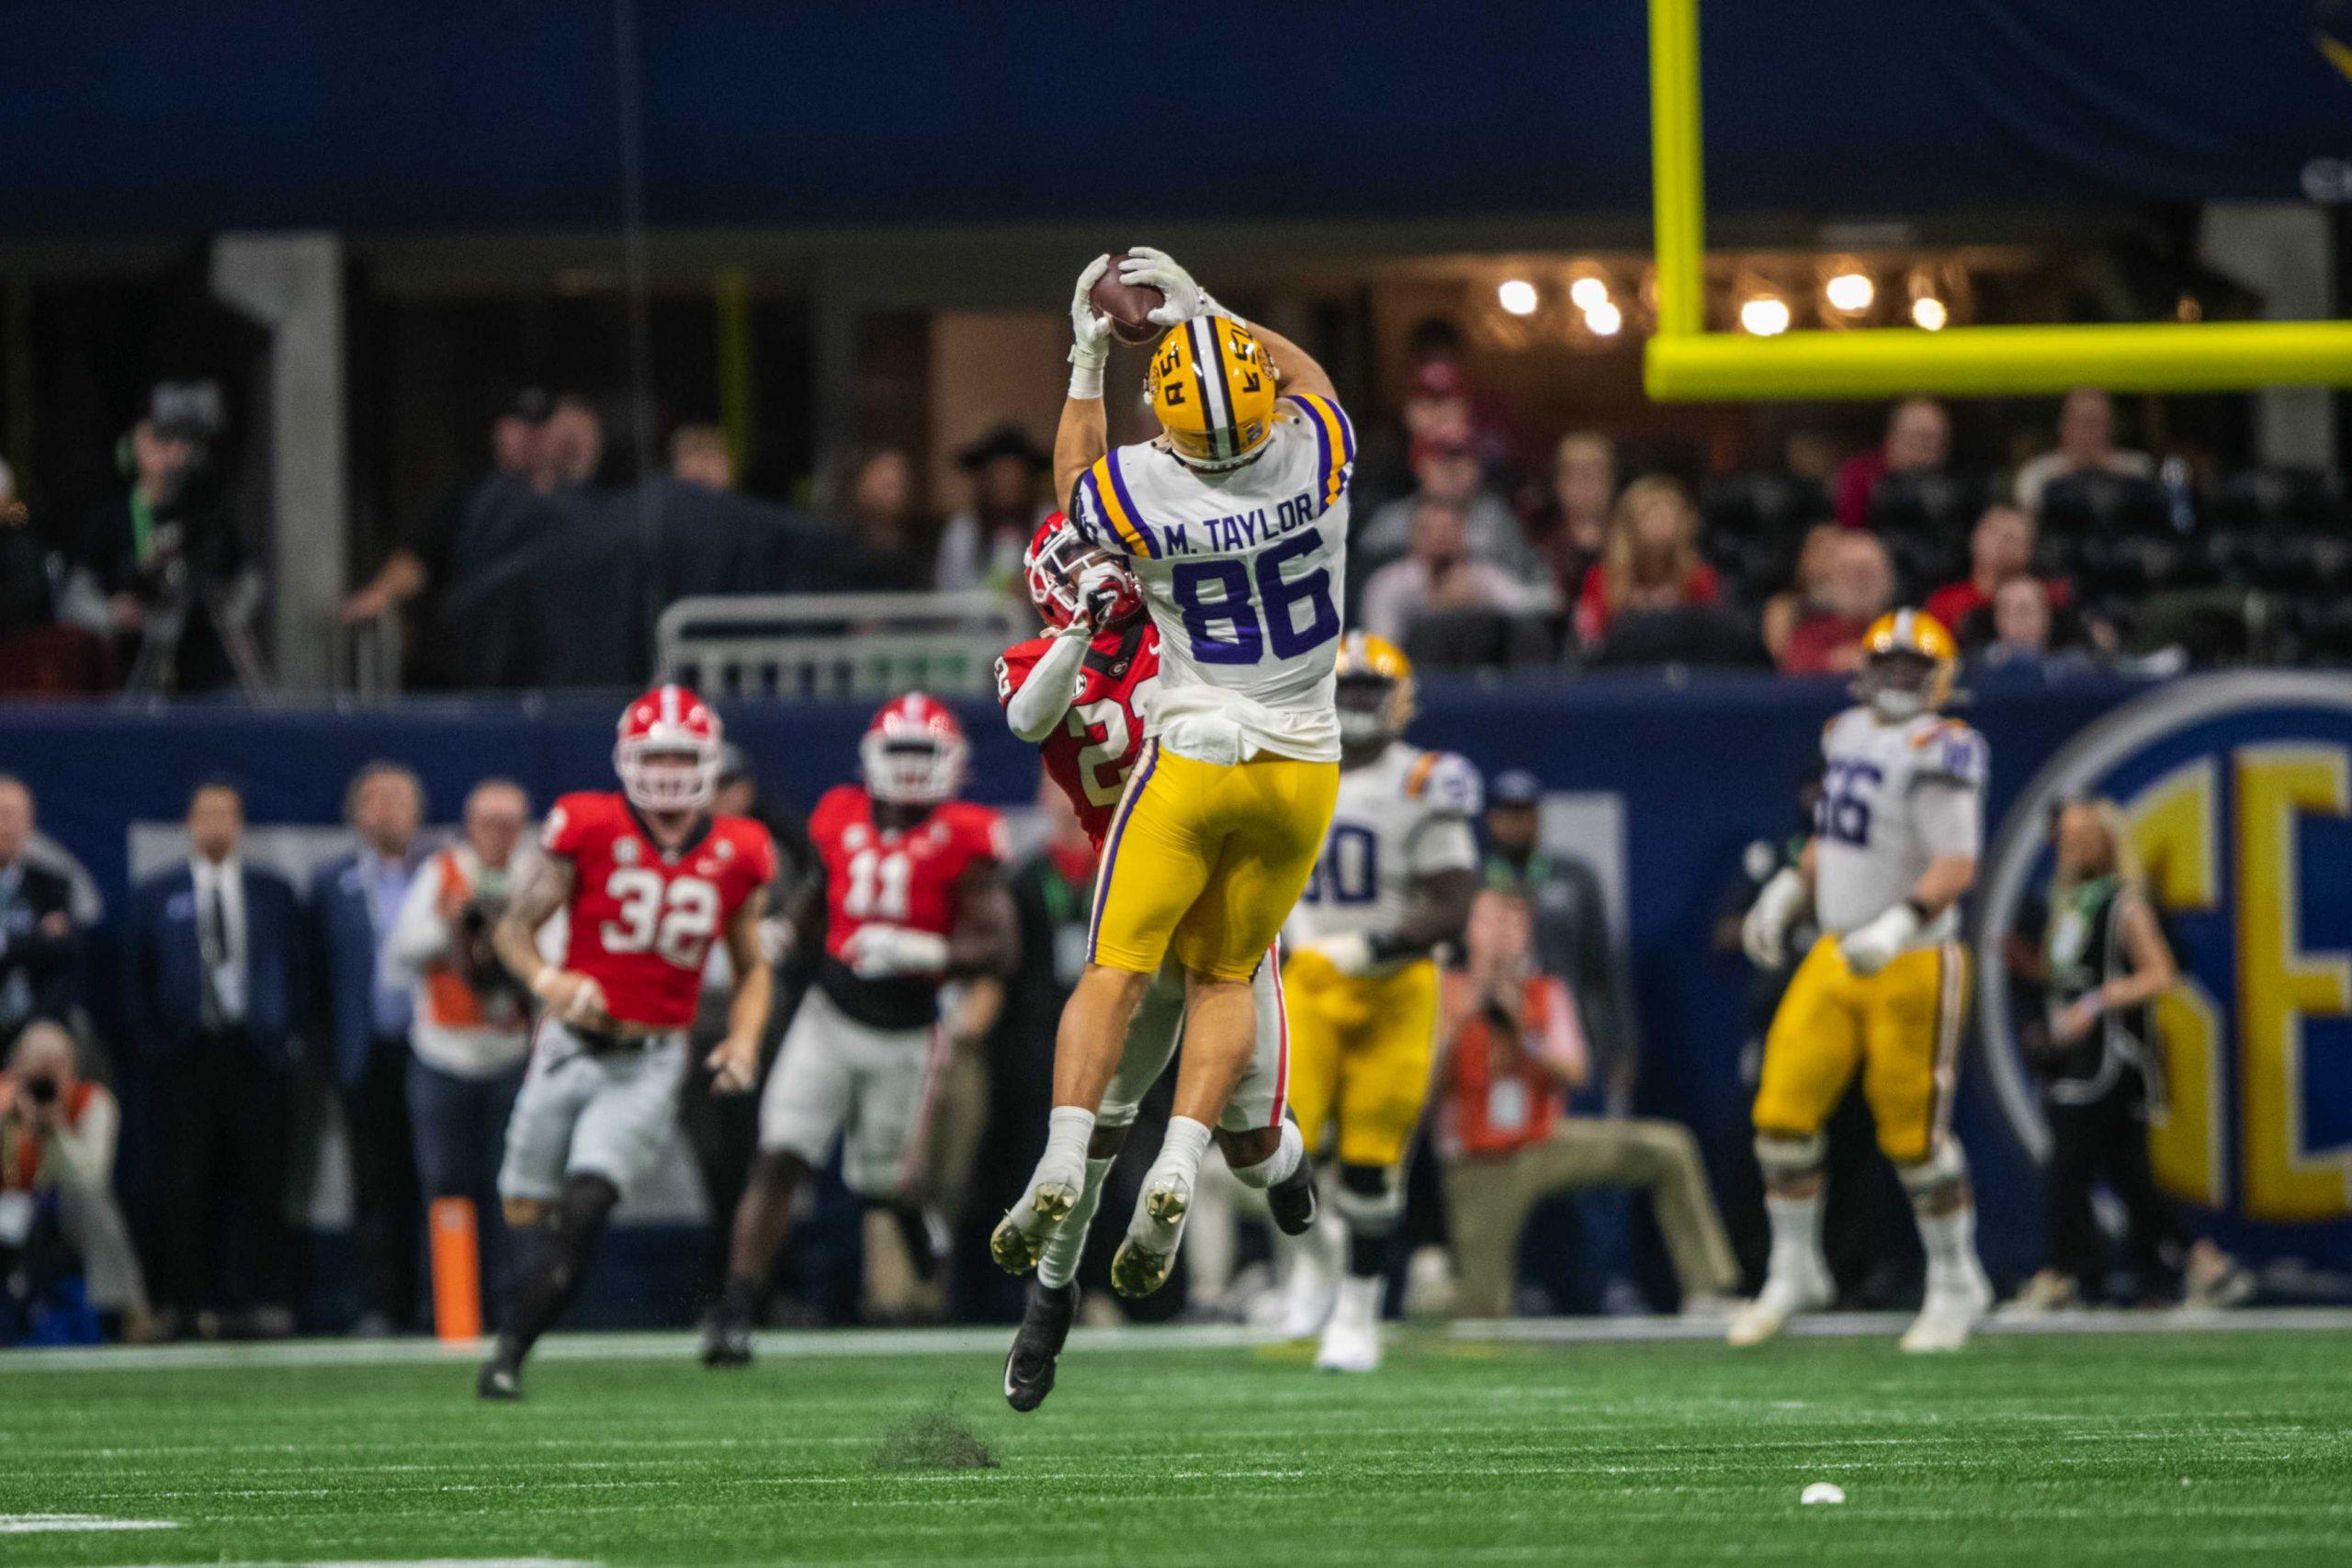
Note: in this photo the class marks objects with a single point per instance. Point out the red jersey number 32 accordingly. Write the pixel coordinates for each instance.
(673, 919)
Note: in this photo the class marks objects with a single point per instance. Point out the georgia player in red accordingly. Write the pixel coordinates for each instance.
(650, 881)
(1082, 694)
(909, 895)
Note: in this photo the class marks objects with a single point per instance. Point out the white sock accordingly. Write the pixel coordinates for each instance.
(1057, 1265)
(1951, 1244)
(1068, 1129)
(1796, 1233)
(1181, 1152)
(1359, 1298)
(1276, 1167)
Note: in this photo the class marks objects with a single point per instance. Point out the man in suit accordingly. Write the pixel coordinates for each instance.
(40, 939)
(216, 969)
(367, 1011)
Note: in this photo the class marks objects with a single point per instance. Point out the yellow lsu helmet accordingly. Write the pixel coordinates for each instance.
(1376, 681)
(1908, 661)
(1213, 392)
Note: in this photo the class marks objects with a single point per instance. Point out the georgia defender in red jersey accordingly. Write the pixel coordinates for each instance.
(1082, 694)
(909, 895)
(650, 881)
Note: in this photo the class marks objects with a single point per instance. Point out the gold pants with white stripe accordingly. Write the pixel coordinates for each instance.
(1899, 1028)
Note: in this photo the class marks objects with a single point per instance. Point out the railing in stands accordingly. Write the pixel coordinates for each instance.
(795, 646)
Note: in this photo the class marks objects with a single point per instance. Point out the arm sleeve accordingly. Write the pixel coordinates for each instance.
(1453, 794)
(566, 827)
(418, 932)
(1950, 817)
(1444, 843)
(1040, 698)
(86, 1147)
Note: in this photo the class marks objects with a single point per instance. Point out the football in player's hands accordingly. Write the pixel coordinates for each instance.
(1129, 306)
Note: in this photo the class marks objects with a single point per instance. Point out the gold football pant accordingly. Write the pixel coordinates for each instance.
(1900, 1028)
(1360, 1052)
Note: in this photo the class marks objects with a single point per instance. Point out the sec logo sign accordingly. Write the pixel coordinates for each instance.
(2238, 793)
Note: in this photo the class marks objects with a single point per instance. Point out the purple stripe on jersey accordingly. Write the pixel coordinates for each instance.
(1322, 442)
(1127, 504)
(1111, 848)
(1094, 493)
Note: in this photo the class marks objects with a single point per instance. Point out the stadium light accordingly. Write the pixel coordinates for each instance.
(1588, 293)
(1929, 312)
(1851, 292)
(1517, 296)
(1765, 315)
(1603, 319)
(1683, 361)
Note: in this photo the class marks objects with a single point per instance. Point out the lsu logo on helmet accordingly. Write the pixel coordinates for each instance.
(1213, 392)
(1377, 698)
(1908, 661)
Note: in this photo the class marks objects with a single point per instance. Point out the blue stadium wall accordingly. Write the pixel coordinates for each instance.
(2240, 781)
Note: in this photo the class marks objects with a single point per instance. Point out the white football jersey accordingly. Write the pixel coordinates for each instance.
(1245, 571)
(1398, 817)
(1872, 839)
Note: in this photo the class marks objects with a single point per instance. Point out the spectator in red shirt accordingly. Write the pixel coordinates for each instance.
(1801, 598)
(1918, 437)
(2000, 548)
(1652, 561)
(1857, 588)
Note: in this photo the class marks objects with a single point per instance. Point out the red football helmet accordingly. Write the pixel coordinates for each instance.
(913, 752)
(1057, 552)
(669, 751)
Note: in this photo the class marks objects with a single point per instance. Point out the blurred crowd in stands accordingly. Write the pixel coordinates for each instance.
(1473, 546)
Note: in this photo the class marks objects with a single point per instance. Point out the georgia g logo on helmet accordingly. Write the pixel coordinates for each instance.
(913, 752)
(669, 751)
(1057, 554)
(1907, 663)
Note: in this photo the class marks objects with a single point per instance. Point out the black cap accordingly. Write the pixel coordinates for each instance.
(1516, 787)
(1004, 441)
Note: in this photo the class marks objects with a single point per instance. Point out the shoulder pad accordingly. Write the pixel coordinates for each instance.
(1950, 749)
(1447, 782)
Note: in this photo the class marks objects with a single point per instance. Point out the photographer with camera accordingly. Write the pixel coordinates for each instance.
(58, 1212)
(471, 1035)
(165, 557)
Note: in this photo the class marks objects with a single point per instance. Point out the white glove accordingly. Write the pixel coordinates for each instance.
(1090, 335)
(878, 952)
(1101, 583)
(1350, 952)
(1872, 946)
(1765, 933)
(1157, 269)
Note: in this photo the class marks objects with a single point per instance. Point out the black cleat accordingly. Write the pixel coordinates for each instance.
(727, 1332)
(1045, 1325)
(500, 1379)
(1292, 1199)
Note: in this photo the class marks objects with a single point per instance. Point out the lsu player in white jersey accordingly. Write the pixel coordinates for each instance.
(1396, 876)
(1884, 991)
(1234, 522)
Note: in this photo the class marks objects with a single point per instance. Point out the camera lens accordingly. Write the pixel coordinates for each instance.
(42, 1090)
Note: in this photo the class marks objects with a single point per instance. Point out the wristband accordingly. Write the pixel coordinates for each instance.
(1086, 374)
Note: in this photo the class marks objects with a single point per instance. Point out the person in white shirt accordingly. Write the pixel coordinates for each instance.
(1440, 575)
(471, 1037)
(2086, 444)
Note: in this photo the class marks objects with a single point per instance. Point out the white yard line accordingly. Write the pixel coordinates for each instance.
(992, 1339)
(76, 1524)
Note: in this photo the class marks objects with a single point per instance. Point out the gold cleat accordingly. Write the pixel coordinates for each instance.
(1138, 1268)
(1016, 1246)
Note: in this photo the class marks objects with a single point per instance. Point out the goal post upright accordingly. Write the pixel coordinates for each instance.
(1684, 362)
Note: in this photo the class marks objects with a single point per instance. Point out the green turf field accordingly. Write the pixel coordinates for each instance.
(2165, 1449)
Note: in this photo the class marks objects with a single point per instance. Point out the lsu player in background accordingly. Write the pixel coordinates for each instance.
(1885, 991)
(1397, 878)
(1080, 694)
(1234, 523)
(649, 880)
(908, 893)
